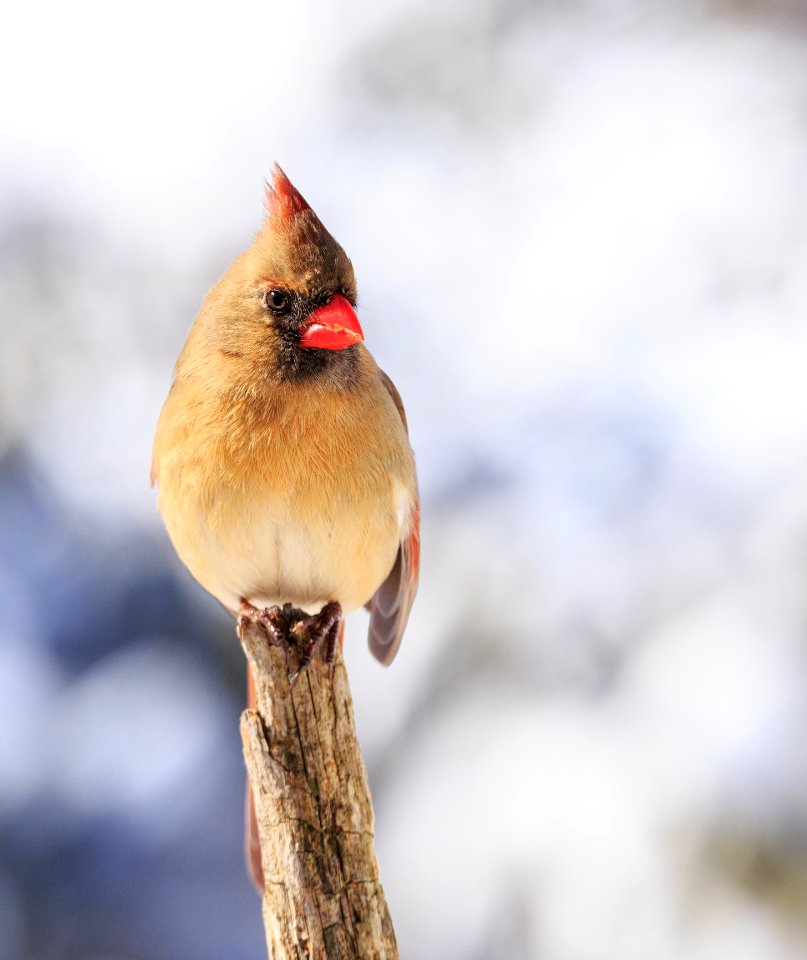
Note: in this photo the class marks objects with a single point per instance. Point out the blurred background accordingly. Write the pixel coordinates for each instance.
(580, 233)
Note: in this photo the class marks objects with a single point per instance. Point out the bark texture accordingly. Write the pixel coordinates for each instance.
(322, 894)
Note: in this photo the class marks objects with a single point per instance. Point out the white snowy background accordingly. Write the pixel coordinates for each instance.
(580, 234)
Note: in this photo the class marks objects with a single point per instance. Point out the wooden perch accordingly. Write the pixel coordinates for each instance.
(322, 894)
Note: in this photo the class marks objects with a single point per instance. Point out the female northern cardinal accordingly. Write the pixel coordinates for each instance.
(284, 466)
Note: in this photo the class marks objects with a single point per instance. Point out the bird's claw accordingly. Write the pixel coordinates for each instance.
(323, 626)
(288, 625)
(273, 622)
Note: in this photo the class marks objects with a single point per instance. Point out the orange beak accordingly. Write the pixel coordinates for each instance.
(333, 326)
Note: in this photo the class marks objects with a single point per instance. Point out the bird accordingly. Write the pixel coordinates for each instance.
(282, 457)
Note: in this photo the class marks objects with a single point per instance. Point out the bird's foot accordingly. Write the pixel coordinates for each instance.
(287, 625)
(247, 614)
(323, 626)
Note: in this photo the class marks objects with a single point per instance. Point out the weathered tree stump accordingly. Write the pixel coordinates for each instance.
(322, 894)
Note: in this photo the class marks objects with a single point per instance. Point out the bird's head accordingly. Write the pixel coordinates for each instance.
(291, 298)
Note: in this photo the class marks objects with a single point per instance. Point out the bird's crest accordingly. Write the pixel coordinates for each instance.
(283, 200)
(292, 246)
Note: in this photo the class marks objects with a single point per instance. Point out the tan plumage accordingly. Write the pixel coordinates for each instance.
(278, 483)
(280, 495)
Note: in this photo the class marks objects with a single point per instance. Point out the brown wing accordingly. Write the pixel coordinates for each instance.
(389, 608)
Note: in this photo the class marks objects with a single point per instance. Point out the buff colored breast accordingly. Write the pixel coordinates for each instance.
(277, 498)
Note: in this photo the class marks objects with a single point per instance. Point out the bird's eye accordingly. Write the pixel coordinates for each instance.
(277, 301)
